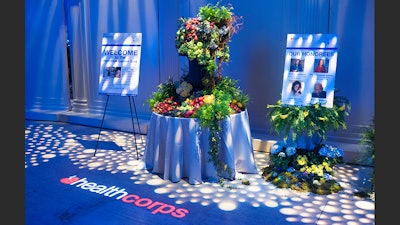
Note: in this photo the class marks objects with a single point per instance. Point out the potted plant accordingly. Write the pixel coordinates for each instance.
(301, 161)
(367, 143)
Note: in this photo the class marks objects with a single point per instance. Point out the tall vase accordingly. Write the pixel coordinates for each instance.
(306, 142)
(195, 75)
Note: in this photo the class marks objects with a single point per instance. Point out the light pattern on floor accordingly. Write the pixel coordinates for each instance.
(117, 152)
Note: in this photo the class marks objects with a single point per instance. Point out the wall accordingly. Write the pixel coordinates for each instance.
(257, 54)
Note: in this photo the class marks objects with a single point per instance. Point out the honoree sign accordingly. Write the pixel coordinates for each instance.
(120, 63)
(310, 68)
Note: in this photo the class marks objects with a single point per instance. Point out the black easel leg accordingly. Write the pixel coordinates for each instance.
(137, 120)
(101, 126)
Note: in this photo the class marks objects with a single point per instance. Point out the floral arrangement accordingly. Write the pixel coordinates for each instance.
(304, 169)
(311, 119)
(204, 40)
(302, 162)
(177, 99)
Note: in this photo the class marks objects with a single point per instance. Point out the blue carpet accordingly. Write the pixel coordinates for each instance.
(66, 184)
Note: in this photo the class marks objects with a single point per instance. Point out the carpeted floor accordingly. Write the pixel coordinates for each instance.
(66, 183)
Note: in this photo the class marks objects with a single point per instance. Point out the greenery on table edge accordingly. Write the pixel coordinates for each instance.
(204, 39)
(301, 161)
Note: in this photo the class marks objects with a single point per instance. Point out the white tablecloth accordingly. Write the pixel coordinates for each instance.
(178, 148)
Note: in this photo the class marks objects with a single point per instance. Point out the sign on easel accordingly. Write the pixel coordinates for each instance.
(310, 69)
(120, 64)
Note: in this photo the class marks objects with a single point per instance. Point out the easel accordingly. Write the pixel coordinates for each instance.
(133, 124)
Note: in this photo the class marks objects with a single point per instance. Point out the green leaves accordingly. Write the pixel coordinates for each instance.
(218, 14)
(294, 120)
(206, 37)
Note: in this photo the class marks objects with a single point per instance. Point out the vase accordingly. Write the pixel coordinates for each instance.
(306, 142)
(195, 75)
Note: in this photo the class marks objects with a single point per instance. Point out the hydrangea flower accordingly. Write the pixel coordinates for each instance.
(276, 148)
(184, 89)
(331, 152)
(290, 151)
(327, 176)
(282, 154)
(290, 169)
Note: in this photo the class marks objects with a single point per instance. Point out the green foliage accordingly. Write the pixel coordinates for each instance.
(206, 37)
(368, 140)
(306, 168)
(230, 86)
(310, 119)
(219, 15)
(210, 114)
(164, 91)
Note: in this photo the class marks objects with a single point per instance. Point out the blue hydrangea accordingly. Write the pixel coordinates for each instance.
(331, 152)
(290, 169)
(290, 151)
(327, 176)
(276, 148)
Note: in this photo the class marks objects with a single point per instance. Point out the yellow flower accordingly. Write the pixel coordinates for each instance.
(301, 160)
(283, 116)
(209, 99)
(342, 107)
(322, 118)
(305, 113)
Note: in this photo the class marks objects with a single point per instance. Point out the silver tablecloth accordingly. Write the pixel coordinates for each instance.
(178, 148)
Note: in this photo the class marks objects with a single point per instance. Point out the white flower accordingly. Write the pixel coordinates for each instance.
(184, 89)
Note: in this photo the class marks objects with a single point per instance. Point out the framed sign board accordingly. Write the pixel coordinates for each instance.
(310, 69)
(120, 64)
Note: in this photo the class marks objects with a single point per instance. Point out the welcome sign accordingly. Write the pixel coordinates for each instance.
(310, 69)
(120, 64)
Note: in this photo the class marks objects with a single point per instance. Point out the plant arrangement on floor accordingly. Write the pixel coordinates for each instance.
(203, 92)
(301, 161)
(368, 143)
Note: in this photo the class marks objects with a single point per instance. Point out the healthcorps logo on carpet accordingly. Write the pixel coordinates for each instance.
(120, 194)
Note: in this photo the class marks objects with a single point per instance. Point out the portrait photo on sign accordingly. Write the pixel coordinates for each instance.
(296, 65)
(112, 72)
(321, 65)
(296, 89)
(318, 91)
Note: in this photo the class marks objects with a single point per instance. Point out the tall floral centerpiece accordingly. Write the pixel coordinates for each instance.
(204, 40)
(203, 92)
(301, 161)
